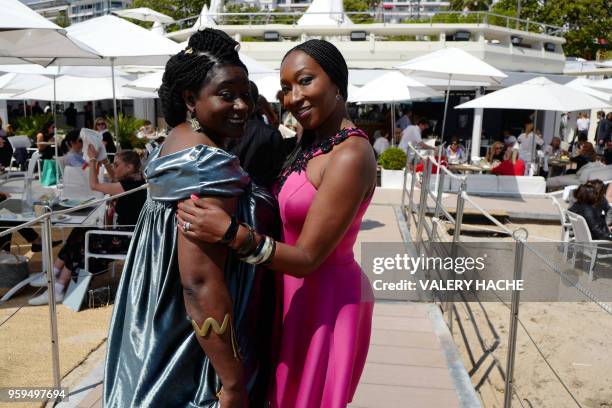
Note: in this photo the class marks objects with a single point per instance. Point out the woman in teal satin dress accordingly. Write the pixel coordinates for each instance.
(161, 352)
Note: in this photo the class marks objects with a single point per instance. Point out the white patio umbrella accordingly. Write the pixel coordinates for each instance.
(392, 87)
(151, 82)
(148, 83)
(12, 83)
(205, 19)
(325, 13)
(253, 66)
(585, 85)
(452, 64)
(26, 34)
(602, 85)
(537, 94)
(120, 42)
(268, 86)
(352, 91)
(145, 14)
(76, 89)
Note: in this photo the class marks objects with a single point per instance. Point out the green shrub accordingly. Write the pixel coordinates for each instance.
(127, 127)
(31, 125)
(393, 158)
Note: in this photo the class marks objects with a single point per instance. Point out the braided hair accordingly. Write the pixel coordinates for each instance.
(189, 69)
(330, 59)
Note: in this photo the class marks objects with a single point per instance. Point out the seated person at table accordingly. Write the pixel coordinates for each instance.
(496, 153)
(72, 147)
(602, 200)
(554, 148)
(575, 145)
(44, 138)
(71, 256)
(607, 155)
(586, 154)
(512, 165)
(587, 205)
(381, 143)
(107, 138)
(455, 153)
(509, 139)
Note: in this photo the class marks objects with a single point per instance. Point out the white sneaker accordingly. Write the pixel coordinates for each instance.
(44, 298)
(40, 281)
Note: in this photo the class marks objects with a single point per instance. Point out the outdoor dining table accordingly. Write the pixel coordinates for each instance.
(11, 215)
(468, 168)
(560, 166)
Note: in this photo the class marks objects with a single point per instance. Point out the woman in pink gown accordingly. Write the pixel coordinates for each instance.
(323, 193)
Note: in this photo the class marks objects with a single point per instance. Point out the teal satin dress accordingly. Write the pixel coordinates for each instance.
(153, 357)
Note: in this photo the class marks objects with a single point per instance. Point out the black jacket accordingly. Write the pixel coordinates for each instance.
(261, 152)
(594, 219)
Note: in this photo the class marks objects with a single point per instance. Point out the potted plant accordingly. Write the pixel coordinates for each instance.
(393, 161)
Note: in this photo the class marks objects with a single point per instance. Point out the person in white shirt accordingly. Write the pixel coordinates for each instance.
(526, 141)
(404, 121)
(412, 135)
(582, 124)
(381, 143)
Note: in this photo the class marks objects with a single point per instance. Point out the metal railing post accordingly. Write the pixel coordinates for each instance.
(47, 239)
(514, 312)
(411, 196)
(459, 212)
(404, 190)
(439, 194)
(423, 200)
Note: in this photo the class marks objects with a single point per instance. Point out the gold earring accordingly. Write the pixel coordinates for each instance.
(195, 125)
(193, 121)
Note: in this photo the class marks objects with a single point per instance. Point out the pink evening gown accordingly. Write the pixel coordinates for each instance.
(327, 316)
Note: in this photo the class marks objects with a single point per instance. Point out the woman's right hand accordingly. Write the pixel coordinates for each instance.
(233, 399)
(92, 152)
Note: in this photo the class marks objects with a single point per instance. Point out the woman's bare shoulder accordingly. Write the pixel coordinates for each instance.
(183, 137)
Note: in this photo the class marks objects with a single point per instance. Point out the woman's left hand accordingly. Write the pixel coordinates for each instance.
(208, 222)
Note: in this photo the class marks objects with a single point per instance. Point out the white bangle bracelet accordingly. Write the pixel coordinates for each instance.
(263, 255)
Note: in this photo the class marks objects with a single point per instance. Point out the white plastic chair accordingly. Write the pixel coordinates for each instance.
(567, 233)
(585, 244)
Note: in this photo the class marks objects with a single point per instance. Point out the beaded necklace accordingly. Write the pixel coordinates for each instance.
(325, 146)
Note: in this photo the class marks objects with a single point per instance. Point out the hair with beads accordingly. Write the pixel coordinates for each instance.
(188, 70)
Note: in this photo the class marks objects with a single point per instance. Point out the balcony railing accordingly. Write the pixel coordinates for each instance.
(381, 17)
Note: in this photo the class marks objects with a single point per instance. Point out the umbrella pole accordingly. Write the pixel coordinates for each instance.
(25, 109)
(114, 99)
(533, 141)
(446, 106)
(54, 110)
(393, 123)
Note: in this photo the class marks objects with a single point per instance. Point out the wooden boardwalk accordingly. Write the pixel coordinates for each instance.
(411, 362)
